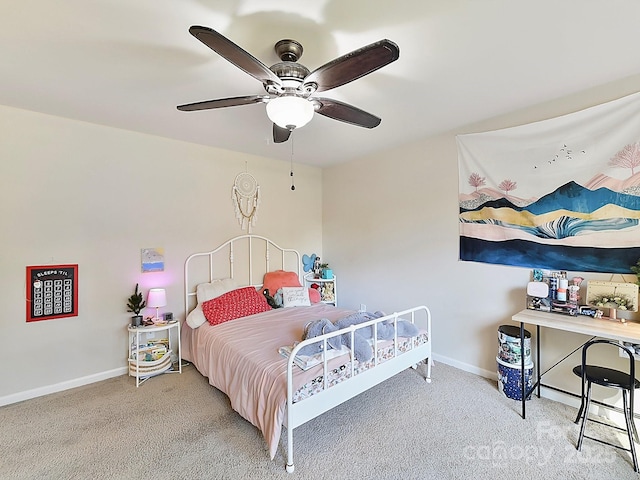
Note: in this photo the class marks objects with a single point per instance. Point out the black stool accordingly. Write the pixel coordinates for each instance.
(608, 377)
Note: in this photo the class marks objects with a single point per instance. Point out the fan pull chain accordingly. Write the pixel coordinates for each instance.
(293, 187)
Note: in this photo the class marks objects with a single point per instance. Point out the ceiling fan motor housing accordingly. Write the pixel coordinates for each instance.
(290, 71)
(292, 75)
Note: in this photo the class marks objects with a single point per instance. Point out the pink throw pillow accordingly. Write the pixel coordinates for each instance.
(274, 281)
(314, 295)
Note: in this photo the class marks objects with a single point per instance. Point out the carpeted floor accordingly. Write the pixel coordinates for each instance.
(179, 427)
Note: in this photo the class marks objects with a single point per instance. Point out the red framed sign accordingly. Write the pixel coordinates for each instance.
(52, 292)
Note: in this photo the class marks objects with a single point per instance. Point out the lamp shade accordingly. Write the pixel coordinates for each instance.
(157, 297)
(290, 111)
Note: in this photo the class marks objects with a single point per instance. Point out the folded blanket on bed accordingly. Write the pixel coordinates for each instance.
(305, 362)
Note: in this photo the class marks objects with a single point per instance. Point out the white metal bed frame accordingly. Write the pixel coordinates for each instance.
(301, 412)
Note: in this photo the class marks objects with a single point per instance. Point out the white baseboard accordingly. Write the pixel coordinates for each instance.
(557, 396)
(466, 367)
(58, 387)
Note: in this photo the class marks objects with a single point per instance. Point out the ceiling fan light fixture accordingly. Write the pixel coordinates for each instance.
(290, 111)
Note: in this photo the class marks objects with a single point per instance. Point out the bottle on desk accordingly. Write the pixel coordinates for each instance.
(574, 290)
(563, 285)
(553, 287)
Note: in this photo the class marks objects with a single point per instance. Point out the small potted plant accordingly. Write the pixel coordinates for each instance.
(135, 304)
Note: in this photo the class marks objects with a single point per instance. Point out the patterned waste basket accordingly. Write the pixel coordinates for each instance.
(509, 350)
(509, 379)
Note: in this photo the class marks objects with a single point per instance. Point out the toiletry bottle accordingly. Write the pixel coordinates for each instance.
(553, 286)
(574, 290)
(563, 284)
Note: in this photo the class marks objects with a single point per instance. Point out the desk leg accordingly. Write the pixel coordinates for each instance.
(539, 377)
(523, 386)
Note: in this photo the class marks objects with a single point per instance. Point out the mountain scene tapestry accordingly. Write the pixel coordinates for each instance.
(560, 194)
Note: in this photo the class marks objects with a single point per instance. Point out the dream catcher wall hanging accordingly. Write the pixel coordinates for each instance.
(245, 195)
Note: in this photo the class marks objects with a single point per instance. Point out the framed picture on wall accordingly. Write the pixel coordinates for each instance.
(52, 292)
(152, 259)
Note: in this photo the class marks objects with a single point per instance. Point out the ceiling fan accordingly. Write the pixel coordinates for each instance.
(291, 87)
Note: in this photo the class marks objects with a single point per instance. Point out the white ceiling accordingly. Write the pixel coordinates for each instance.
(127, 64)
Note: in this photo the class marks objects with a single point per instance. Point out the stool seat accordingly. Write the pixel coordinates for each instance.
(607, 377)
(626, 382)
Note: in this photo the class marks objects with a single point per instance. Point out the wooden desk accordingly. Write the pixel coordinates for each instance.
(597, 327)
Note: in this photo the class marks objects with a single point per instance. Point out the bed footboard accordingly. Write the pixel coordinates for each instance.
(399, 359)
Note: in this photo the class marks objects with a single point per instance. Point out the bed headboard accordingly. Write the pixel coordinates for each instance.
(245, 258)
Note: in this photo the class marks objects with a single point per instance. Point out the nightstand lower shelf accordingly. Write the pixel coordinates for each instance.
(145, 368)
(149, 357)
(327, 287)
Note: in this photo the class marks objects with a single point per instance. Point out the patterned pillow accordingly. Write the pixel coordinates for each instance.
(234, 304)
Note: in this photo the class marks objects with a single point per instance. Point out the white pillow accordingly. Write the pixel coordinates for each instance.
(295, 297)
(209, 291)
(196, 317)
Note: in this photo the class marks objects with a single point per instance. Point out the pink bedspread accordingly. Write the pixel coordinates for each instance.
(241, 359)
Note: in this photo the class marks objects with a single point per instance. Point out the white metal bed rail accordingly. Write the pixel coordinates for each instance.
(298, 414)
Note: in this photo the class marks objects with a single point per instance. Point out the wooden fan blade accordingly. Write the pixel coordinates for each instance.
(223, 102)
(353, 65)
(280, 134)
(235, 54)
(346, 113)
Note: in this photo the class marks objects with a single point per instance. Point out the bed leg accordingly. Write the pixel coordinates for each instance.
(429, 363)
(290, 467)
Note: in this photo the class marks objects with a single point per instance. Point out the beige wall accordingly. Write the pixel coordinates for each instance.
(390, 228)
(80, 193)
